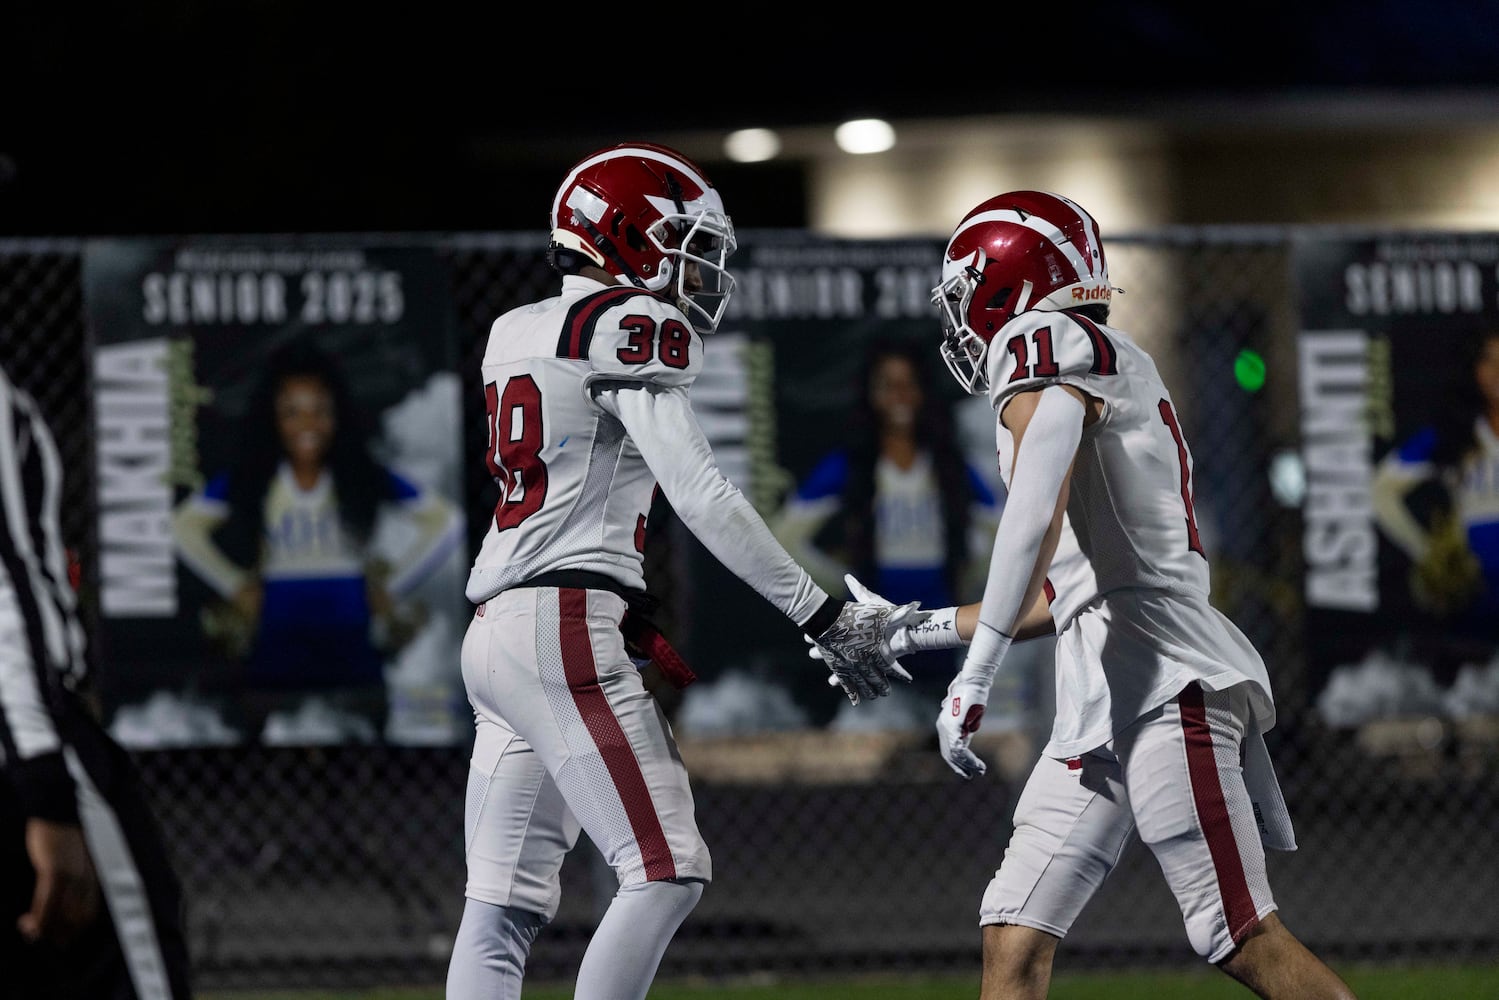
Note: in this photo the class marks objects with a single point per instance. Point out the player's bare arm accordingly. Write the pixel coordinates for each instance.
(1034, 622)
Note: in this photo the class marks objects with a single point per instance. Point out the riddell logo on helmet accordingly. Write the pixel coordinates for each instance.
(1092, 294)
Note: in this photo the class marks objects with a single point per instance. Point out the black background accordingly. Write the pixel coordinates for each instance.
(172, 116)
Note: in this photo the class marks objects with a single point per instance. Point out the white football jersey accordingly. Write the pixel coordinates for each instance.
(1130, 505)
(1130, 581)
(574, 490)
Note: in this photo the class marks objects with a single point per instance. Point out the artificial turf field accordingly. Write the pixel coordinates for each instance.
(1477, 982)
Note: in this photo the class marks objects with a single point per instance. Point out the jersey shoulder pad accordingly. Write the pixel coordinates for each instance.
(1041, 347)
(633, 335)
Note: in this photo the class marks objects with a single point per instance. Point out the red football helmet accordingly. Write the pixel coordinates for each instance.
(647, 215)
(1013, 253)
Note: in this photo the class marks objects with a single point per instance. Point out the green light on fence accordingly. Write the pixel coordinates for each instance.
(1249, 370)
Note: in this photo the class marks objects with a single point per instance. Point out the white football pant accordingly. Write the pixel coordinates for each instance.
(568, 737)
(1175, 775)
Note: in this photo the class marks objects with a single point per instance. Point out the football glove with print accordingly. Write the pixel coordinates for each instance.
(856, 647)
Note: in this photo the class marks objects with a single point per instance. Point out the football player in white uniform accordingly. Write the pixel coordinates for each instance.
(1161, 701)
(588, 412)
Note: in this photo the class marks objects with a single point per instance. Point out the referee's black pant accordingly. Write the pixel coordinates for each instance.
(137, 948)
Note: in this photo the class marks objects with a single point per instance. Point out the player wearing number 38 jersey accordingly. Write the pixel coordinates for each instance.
(572, 479)
(588, 411)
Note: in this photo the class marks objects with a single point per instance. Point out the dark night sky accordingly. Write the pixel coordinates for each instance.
(287, 115)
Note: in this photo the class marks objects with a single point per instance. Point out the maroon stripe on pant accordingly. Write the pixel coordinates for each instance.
(609, 737)
(1212, 812)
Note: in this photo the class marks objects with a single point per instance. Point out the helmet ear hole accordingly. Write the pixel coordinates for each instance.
(564, 259)
(998, 299)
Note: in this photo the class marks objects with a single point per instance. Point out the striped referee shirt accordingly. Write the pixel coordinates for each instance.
(41, 638)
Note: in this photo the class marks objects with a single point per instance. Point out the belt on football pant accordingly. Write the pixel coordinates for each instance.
(636, 626)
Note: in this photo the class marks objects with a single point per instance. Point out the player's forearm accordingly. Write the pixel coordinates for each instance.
(1037, 620)
(1008, 603)
(948, 628)
(673, 444)
(730, 528)
(1034, 622)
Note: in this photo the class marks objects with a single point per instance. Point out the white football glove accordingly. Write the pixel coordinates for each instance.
(962, 711)
(857, 647)
(967, 697)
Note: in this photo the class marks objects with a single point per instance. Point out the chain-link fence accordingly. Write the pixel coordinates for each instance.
(832, 851)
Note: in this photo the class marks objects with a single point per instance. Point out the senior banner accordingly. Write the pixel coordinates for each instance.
(279, 491)
(1399, 389)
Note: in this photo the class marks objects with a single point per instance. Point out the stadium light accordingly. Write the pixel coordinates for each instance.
(752, 145)
(864, 135)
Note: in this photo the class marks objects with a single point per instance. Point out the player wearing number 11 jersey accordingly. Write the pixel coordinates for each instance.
(588, 413)
(1161, 700)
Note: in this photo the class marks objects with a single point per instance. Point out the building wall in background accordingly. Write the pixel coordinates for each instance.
(1374, 160)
